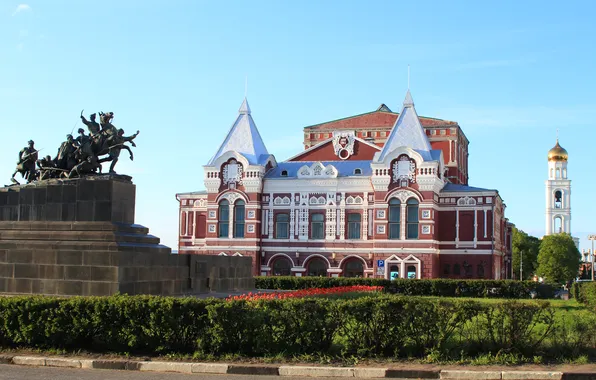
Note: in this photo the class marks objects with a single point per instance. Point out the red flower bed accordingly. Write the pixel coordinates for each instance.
(305, 293)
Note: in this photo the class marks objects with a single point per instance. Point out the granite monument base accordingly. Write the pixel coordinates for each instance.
(78, 237)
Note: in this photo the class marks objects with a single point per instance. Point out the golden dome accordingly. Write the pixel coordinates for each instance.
(558, 153)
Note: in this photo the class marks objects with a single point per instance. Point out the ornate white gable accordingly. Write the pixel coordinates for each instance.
(404, 169)
(232, 172)
(343, 144)
(317, 170)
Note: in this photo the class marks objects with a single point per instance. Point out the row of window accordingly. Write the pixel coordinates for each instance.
(224, 219)
(317, 268)
(317, 222)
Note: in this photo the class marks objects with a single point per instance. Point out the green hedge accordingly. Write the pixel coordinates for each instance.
(585, 292)
(380, 326)
(438, 287)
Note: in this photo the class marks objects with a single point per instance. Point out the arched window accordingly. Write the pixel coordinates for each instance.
(558, 225)
(354, 226)
(224, 218)
(282, 223)
(551, 173)
(317, 226)
(456, 269)
(564, 173)
(317, 267)
(411, 271)
(357, 171)
(284, 173)
(353, 268)
(558, 199)
(281, 267)
(239, 219)
(394, 272)
(480, 270)
(394, 218)
(558, 171)
(412, 215)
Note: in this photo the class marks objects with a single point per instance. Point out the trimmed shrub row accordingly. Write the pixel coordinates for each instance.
(584, 292)
(381, 326)
(436, 287)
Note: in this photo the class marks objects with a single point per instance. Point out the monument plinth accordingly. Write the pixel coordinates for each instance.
(78, 237)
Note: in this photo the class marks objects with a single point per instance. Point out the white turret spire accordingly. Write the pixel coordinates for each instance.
(407, 131)
(244, 138)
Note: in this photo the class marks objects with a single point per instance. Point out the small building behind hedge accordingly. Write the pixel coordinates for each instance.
(381, 194)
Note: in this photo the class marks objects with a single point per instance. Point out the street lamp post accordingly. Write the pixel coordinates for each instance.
(592, 238)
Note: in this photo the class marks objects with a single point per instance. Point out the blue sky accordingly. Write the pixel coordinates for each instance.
(510, 72)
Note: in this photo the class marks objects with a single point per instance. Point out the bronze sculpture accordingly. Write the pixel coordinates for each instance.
(26, 163)
(78, 156)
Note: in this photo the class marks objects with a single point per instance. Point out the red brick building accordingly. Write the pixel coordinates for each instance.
(380, 194)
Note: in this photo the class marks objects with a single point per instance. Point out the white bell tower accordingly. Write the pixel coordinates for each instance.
(558, 192)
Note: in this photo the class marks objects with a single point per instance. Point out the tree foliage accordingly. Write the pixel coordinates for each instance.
(525, 251)
(558, 259)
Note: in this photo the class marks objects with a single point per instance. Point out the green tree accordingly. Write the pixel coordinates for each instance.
(558, 259)
(524, 249)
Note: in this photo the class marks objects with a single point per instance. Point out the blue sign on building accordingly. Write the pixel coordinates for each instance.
(381, 263)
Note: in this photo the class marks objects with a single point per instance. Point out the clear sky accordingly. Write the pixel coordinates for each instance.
(510, 72)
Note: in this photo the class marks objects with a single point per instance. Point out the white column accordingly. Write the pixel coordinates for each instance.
(456, 228)
(342, 217)
(403, 219)
(291, 220)
(485, 212)
(270, 217)
(364, 232)
(475, 227)
(231, 222)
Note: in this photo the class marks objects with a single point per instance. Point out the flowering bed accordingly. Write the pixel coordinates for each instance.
(306, 293)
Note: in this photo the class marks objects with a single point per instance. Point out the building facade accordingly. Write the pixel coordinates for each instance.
(380, 194)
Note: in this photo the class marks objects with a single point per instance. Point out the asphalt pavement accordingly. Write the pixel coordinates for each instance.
(15, 372)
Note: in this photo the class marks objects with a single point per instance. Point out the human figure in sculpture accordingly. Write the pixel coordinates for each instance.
(65, 159)
(117, 144)
(92, 125)
(46, 168)
(26, 163)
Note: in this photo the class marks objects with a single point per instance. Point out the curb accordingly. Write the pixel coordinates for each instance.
(285, 370)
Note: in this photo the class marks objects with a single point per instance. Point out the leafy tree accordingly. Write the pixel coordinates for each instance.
(558, 259)
(525, 250)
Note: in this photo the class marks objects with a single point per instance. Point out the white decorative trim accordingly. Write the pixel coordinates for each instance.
(343, 144)
(250, 228)
(380, 214)
(466, 201)
(232, 197)
(403, 195)
(271, 259)
(354, 256)
(212, 214)
(317, 170)
(426, 229)
(425, 214)
(380, 228)
(232, 173)
(404, 169)
(212, 228)
(200, 203)
(251, 214)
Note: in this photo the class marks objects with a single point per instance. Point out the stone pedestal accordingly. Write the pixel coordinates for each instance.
(78, 237)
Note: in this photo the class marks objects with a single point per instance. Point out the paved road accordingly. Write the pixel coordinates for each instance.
(14, 372)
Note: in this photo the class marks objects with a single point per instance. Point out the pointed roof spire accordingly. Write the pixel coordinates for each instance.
(407, 131)
(244, 138)
(408, 101)
(244, 107)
